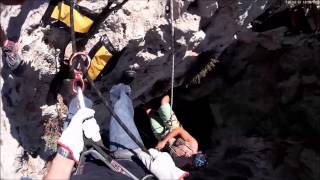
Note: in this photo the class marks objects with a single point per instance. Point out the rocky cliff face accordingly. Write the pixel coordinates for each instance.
(219, 29)
(264, 105)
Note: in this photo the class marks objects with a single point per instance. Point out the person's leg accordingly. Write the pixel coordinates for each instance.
(168, 117)
(122, 106)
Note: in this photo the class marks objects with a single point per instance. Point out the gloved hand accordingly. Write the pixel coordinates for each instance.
(161, 165)
(91, 130)
(72, 137)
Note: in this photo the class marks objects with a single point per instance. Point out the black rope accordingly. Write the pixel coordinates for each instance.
(73, 35)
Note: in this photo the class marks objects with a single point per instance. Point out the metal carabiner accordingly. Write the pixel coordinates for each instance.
(78, 71)
(77, 81)
(86, 60)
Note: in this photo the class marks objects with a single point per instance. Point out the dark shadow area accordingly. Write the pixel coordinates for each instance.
(295, 19)
(21, 97)
(15, 23)
(196, 118)
(22, 92)
(265, 113)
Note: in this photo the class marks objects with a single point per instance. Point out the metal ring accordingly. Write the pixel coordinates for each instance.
(88, 59)
(77, 82)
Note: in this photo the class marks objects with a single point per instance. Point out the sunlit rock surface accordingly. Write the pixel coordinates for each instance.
(143, 27)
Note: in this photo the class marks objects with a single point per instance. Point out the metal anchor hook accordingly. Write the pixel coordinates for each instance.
(80, 62)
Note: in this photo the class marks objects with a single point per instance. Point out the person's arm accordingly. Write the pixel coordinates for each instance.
(60, 168)
(71, 141)
(161, 165)
(177, 132)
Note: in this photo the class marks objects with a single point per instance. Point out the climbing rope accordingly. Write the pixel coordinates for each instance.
(172, 54)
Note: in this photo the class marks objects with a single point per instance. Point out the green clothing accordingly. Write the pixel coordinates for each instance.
(161, 121)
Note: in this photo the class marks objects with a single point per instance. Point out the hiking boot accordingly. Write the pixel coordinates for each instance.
(11, 56)
(128, 76)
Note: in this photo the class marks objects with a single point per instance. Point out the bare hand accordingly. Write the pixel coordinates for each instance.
(161, 145)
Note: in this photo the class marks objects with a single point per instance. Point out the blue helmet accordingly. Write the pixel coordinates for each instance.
(200, 160)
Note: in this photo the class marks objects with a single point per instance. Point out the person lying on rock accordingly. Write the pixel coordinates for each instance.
(174, 138)
(125, 151)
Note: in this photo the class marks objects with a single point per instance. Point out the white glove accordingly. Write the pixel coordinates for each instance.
(161, 165)
(72, 137)
(91, 129)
